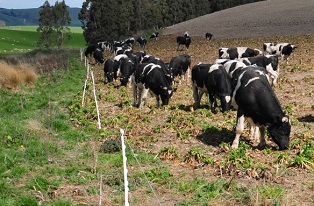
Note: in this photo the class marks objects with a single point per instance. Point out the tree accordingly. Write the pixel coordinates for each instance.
(61, 18)
(45, 26)
(52, 21)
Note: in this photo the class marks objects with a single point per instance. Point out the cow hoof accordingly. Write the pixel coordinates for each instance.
(234, 146)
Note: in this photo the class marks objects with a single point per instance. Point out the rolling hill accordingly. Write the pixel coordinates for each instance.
(29, 17)
(260, 19)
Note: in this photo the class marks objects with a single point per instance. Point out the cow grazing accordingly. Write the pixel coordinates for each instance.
(282, 50)
(237, 52)
(179, 66)
(126, 68)
(213, 80)
(105, 46)
(183, 40)
(208, 36)
(110, 71)
(142, 42)
(90, 49)
(130, 41)
(154, 36)
(98, 56)
(269, 62)
(256, 101)
(150, 77)
(230, 65)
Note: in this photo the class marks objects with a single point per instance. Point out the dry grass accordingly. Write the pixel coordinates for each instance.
(12, 76)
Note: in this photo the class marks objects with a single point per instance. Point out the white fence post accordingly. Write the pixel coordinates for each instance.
(94, 89)
(126, 183)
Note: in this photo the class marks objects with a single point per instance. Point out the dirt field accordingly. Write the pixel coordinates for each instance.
(260, 19)
(183, 128)
(180, 126)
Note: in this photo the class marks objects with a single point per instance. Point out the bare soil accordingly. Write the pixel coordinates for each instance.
(249, 25)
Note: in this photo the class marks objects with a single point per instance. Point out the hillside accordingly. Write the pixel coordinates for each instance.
(260, 19)
(29, 17)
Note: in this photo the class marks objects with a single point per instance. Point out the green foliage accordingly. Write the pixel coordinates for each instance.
(52, 27)
(196, 155)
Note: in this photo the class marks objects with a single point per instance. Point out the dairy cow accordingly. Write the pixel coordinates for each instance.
(255, 100)
(208, 36)
(282, 50)
(184, 40)
(269, 62)
(213, 80)
(179, 66)
(110, 71)
(237, 52)
(149, 77)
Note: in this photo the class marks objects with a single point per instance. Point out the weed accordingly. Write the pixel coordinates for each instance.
(196, 155)
(168, 153)
(239, 157)
(159, 175)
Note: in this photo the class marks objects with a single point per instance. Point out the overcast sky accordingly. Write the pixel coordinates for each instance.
(25, 4)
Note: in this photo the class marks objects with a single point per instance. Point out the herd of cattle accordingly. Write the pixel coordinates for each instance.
(241, 78)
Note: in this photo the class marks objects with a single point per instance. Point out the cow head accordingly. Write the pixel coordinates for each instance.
(165, 95)
(110, 76)
(280, 132)
(225, 103)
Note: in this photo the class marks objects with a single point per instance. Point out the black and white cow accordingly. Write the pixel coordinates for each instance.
(130, 41)
(282, 50)
(154, 36)
(165, 69)
(184, 40)
(110, 71)
(179, 66)
(149, 77)
(256, 101)
(126, 68)
(90, 49)
(230, 65)
(269, 62)
(237, 52)
(208, 36)
(142, 42)
(213, 80)
(105, 46)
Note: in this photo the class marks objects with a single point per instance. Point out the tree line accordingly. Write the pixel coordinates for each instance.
(118, 19)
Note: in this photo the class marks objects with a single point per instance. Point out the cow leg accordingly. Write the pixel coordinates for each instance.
(143, 97)
(196, 96)
(239, 131)
(134, 93)
(262, 141)
(212, 102)
(157, 101)
(254, 131)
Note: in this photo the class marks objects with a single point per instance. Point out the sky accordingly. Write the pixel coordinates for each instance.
(26, 4)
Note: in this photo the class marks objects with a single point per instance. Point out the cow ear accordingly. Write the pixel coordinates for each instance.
(285, 119)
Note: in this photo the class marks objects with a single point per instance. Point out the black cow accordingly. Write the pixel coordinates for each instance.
(179, 66)
(237, 52)
(126, 68)
(154, 36)
(283, 49)
(213, 80)
(110, 71)
(208, 36)
(142, 42)
(150, 77)
(98, 56)
(269, 62)
(183, 40)
(90, 49)
(255, 100)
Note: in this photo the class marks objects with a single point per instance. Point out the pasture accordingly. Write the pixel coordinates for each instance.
(55, 155)
(22, 39)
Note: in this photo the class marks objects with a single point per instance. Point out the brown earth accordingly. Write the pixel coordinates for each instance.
(182, 127)
(260, 19)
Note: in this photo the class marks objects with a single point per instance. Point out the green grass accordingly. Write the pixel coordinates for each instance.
(24, 39)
